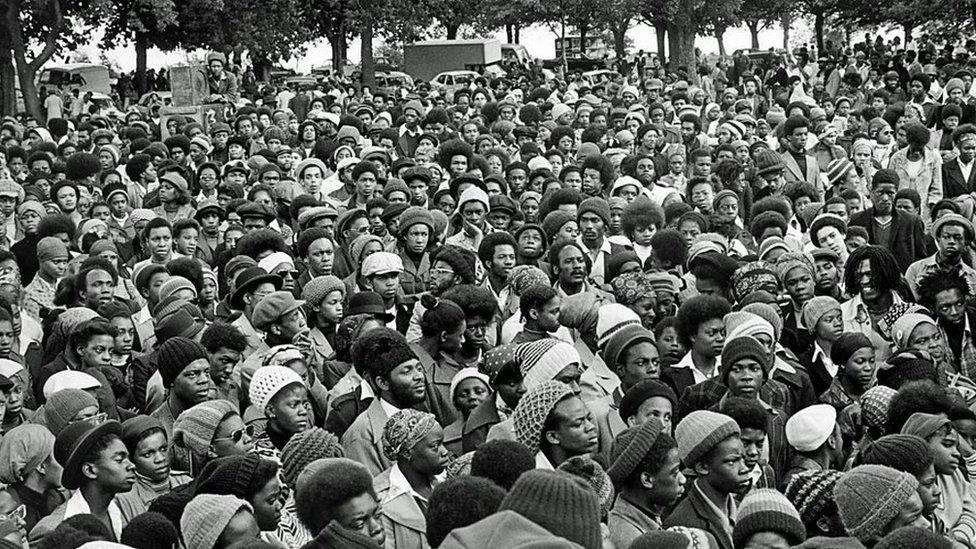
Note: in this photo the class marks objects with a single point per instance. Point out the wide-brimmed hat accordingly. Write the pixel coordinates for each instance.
(74, 443)
(249, 279)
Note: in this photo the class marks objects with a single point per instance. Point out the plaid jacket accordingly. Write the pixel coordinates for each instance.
(708, 393)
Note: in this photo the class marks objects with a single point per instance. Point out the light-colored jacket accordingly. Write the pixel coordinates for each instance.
(928, 182)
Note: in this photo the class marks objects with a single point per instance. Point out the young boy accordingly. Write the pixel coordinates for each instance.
(640, 221)
(709, 443)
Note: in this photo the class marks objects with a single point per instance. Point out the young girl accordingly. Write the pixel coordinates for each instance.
(639, 221)
(469, 389)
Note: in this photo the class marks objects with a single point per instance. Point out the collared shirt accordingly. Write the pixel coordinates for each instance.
(78, 505)
(858, 319)
(687, 362)
(542, 462)
(598, 256)
(967, 350)
(966, 169)
(388, 408)
(825, 359)
(726, 515)
(399, 485)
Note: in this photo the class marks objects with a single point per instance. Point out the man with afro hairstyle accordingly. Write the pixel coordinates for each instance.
(946, 294)
(396, 377)
(481, 321)
(335, 500)
(928, 183)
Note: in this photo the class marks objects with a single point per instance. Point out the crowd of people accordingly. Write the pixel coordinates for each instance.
(645, 313)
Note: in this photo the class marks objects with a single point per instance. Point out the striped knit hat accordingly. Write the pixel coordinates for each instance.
(610, 319)
(875, 404)
(542, 360)
(837, 169)
(766, 510)
(195, 427)
(812, 494)
(869, 497)
(700, 431)
(533, 409)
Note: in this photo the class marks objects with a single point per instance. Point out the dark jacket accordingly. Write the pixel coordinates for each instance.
(953, 183)
(907, 235)
(695, 512)
(479, 422)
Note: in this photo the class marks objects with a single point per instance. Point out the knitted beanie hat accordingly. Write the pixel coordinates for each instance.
(913, 537)
(907, 453)
(195, 427)
(174, 355)
(630, 448)
(596, 205)
(739, 348)
(905, 366)
(816, 308)
(321, 286)
(875, 403)
(638, 394)
(554, 221)
(664, 539)
(594, 475)
(610, 319)
(869, 497)
(744, 323)
(502, 462)
(268, 381)
(766, 510)
(414, 215)
(63, 406)
(233, 475)
(150, 530)
(542, 360)
(305, 447)
(812, 494)
(533, 409)
(560, 503)
(205, 518)
(700, 431)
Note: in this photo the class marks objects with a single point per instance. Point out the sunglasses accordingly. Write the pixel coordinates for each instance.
(95, 420)
(237, 435)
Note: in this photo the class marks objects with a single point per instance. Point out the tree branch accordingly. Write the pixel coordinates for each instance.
(51, 41)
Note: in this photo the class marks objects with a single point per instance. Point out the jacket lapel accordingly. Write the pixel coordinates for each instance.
(791, 165)
(706, 514)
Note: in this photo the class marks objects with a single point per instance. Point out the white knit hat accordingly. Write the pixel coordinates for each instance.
(610, 318)
(542, 360)
(560, 109)
(268, 381)
(467, 373)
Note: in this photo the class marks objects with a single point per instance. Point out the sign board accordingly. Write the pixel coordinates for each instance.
(205, 115)
(189, 85)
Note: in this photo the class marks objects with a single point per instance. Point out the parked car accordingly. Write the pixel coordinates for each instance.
(592, 78)
(390, 82)
(449, 82)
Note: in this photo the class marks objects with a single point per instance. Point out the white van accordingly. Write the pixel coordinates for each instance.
(85, 77)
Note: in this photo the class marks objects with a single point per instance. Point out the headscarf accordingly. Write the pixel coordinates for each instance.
(628, 288)
(281, 355)
(404, 430)
(23, 448)
(901, 329)
(791, 260)
(523, 276)
(753, 276)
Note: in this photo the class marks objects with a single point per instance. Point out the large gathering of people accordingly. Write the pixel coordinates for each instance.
(731, 309)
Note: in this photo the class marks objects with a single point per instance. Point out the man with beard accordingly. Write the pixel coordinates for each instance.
(450, 265)
(953, 235)
(898, 231)
(826, 274)
(945, 293)
(397, 378)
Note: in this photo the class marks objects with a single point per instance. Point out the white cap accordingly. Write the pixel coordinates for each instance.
(380, 263)
(560, 109)
(69, 379)
(269, 381)
(809, 428)
(10, 368)
(276, 260)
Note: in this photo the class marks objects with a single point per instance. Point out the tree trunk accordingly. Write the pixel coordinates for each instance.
(620, 39)
(787, 22)
(509, 35)
(562, 30)
(674, 45)
(754, 32)
(719, 34)
(516, 29)
(681, 35)
(367, 65)
(452, 30)
(8, 92)
(661, 32)
(908, 32)
(142, 44)
(818, 30)
(26, 71)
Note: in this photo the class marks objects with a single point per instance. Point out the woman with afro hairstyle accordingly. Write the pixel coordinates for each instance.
(919, 167)
(481, 323)
(455, 157)
(700, 329)
(334, 498)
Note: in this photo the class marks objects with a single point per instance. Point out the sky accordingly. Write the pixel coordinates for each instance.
(538, 40)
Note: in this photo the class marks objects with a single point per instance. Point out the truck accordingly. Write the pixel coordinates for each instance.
(424, 60)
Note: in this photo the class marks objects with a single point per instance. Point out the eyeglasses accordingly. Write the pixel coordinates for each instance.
(237, 435)
(19, 513)
(285, 274)
(445, 272)
(95, 420)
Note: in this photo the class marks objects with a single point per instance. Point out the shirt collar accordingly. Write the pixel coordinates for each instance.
(828, 364)
(78, 505)
(388, 408)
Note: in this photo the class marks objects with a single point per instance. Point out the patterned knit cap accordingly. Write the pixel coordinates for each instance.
(869, 497)
(305, 447)
(700, 431)
(792, 260)
(533, 409)
(404, 430)
(744, 323)
(196, 426)
(611, 318)
(268, 381)
(542, 360)
(282, 355)
(748, 278)
(766, 510)
(498, 357)
(913, 537)
(629, 288)
(521, 277)
(205, 518)
(812, 494)
(594, 475)
(875, 403)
